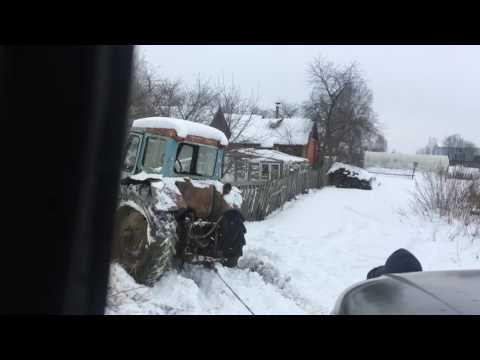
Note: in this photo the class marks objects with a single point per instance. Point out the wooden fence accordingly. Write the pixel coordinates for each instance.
(261, 199)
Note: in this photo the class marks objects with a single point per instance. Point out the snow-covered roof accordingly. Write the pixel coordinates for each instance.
(183, 128)
(353, 171)
(290, 131)
(269, 155)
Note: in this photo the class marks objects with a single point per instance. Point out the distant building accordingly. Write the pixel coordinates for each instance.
(469, 157)
(398, 161)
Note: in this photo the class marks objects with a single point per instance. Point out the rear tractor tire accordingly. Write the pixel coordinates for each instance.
(145, 262)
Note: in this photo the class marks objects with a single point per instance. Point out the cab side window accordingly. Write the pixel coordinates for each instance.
(183, 162)
(196, 160)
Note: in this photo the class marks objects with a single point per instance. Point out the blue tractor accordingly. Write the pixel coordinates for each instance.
(173, 208)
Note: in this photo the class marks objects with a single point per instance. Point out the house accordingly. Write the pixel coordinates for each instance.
(466, 156)
(295, 136)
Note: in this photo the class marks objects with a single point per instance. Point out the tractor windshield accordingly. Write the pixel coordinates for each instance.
(154, 154)
(207, 157)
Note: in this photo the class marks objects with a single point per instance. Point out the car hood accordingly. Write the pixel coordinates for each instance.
(419, 293)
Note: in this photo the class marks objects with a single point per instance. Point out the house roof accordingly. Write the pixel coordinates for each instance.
(270, 155)
(267, 131)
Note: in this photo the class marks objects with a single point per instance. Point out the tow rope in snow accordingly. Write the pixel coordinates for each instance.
(233, 292)
(128, 290)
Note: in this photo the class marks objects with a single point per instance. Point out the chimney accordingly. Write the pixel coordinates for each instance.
(277, 110)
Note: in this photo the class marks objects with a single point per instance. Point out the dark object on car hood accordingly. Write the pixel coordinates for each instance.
(417, 293)
(401, 261)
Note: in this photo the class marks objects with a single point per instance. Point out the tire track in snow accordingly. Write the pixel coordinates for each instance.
(263, 297)
(270, 274)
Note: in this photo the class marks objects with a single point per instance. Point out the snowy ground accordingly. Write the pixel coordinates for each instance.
(305, 255)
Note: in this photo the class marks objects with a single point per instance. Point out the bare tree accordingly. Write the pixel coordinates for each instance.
(195, 102)
(264, 113)
(429, 149)
(376, 143)
(381, 143)
(341, 104)
(153, 95)
(288, 109)
(355, 123)
(457, 141)
(167, 96)
(328, 82)
(239, 111)
(141, 94)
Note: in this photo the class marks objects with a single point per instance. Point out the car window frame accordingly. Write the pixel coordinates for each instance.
(133, 134)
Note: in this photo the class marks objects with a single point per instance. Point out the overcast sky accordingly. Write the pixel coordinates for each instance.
(419, 91)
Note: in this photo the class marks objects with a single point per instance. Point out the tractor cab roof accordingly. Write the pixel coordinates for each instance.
(182, 130)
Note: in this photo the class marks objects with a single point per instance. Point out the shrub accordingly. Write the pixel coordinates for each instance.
(446, 195)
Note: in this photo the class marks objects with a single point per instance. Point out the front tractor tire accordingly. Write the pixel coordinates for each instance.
(145, 262)
(233, 235)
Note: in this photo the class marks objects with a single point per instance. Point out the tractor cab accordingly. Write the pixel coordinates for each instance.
(174, 148)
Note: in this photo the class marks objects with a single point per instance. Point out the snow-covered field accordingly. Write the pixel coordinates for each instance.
(303, 256)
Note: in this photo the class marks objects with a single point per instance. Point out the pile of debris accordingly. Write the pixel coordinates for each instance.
(348, 176)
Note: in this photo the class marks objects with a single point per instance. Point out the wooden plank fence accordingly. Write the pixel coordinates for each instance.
(260, 199)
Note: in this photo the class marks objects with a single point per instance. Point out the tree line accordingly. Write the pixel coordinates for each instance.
(154, 95)
(340, 102)
(452, 141)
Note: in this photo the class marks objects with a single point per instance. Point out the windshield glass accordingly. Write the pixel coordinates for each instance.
(154, 154)
(207, 157)
(183, 162)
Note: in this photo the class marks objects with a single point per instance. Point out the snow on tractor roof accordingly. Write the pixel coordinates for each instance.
(183, 128)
